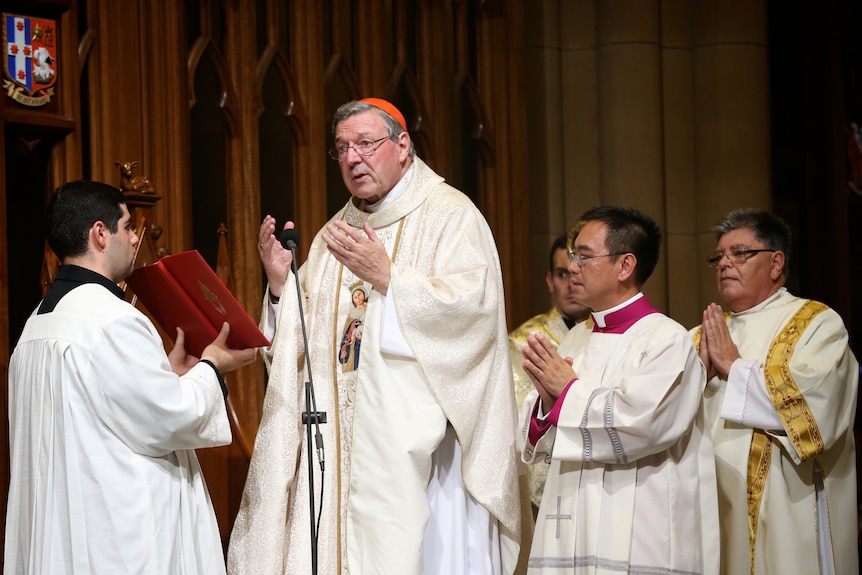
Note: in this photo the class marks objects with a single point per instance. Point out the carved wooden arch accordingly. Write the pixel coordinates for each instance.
(294, 110)
(483, 132)
(85, 47)
(403, 78)
(202, 46)
(338, 67)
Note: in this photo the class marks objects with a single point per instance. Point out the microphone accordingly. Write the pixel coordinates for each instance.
(289, 239)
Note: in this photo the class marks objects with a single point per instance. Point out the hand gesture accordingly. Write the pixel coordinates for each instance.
(548, 371)
(360, 251)
(717, 350)
(275, 258)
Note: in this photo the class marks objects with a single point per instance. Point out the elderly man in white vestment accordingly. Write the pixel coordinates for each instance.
(553, 324)
(102, 423)
(618, 413)
(422, 474)
(781, 399)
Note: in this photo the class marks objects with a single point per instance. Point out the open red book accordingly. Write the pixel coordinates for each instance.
(183, 290)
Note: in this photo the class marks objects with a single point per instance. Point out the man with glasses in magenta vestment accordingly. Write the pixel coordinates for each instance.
(781, 399)
(618, 412)
(422, 474)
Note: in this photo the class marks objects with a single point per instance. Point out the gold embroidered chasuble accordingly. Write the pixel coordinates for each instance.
(386, 414)
(768, 479)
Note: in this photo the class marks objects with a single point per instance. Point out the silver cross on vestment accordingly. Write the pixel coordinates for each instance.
(558, 516)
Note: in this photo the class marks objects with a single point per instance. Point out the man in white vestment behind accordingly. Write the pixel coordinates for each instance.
(102, 423)
(403, 299)
(618, 412)
(781, 399)
(553, 324)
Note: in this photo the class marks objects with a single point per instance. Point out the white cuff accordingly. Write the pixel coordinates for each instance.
(746, 400)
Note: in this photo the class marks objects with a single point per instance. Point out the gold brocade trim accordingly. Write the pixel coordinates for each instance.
(335, 406)
(397, 240)
(759, 458)
(789, 402)
(791, 407)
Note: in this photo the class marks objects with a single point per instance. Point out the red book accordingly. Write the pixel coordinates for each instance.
(183, 290)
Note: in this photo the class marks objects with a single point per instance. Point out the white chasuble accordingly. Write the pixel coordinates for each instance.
(788, 495)
(631, 487)
(387, 414)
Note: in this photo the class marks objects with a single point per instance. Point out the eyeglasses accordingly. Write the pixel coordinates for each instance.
(362, 148)
(581, 260)
(735, 255)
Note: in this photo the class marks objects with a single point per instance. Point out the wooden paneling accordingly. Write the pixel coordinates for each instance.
(34, 154)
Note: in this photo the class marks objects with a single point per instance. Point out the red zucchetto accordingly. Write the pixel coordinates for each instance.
(388, 108)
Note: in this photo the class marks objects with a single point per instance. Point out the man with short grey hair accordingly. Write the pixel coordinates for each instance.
(781, 399)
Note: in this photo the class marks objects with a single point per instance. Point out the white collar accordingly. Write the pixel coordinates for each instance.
(762, 304)
(599, 316)
(393, 193)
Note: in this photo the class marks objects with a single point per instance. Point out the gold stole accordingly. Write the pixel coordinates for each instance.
(792, 408)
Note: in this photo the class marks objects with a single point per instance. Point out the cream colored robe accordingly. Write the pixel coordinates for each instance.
(631, 488)
(447, 289)
(815, 378)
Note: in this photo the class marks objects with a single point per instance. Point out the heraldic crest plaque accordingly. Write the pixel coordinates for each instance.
(30, 66)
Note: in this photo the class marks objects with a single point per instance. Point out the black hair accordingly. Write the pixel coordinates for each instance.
(629, 231)
(559, 244)
(74, 208)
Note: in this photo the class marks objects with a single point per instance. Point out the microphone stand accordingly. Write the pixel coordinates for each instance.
(310, 418)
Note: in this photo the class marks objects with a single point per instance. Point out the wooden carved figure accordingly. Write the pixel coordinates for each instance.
(132, 183)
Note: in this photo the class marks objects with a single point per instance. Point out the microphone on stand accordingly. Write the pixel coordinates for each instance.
(289, 238)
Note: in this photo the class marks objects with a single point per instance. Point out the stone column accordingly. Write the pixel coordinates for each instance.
(731, 118)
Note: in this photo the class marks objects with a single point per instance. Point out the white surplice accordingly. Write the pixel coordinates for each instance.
(631, 488)
(104, 479)
(795, 354)
(397, 421)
